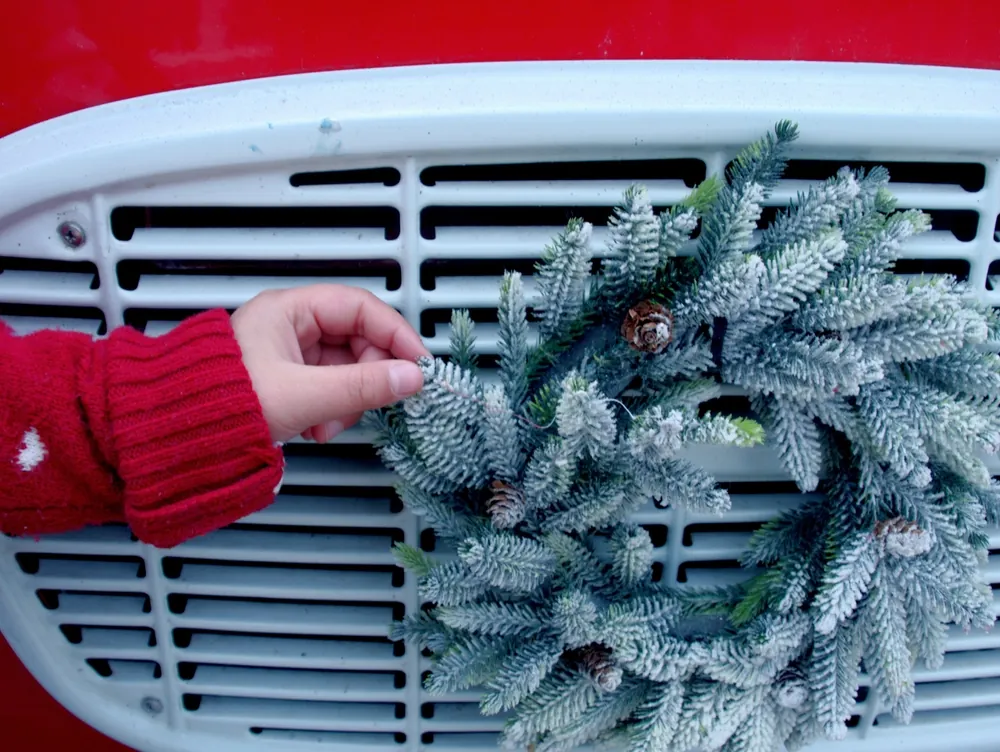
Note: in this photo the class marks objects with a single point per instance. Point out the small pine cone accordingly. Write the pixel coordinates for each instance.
(903, 538)
(596, 660)
(648, 327)
(791, 689)
(506, 505)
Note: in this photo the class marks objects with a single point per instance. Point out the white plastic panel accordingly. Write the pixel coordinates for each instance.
(421, 185)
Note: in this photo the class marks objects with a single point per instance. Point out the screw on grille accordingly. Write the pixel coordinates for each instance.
(152, 705)
(72, 234)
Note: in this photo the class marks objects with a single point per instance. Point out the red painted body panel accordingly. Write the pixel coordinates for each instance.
(70, 54)
(57, 56)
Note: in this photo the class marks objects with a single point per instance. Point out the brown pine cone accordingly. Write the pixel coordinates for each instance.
(648, 327)
(506, 505)
(596, 660)
(902, 537)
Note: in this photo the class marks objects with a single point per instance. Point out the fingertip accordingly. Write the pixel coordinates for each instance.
(405, 378)
(331, 429)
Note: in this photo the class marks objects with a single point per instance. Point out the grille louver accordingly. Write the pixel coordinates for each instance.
(271, 634)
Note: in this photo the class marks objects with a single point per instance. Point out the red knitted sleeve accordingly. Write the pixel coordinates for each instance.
(163, 433)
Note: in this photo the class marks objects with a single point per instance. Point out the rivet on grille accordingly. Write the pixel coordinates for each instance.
(152, 705)
(72, 234)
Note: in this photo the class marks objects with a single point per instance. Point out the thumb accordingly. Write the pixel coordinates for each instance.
(326, 393)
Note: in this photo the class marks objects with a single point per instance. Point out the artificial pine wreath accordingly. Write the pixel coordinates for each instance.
(875, 390)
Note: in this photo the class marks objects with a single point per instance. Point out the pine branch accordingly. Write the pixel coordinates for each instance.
(811, 213)
(469, 661)
(874, 245)
(549, 475)
(852, 303)
(633, 619)
(451, 584)
(596, 504)
(703, 196)
(658, 657)
(764, 160)
(803, 367)
(634, 254)
(512, 342)
(722, 431)
(574, 618)
(846, 581)
(796, 436)
(443, 422)
(702, 699)
(757, 733)
(463, 340)
(412, 559)
(887, 415)
(794, 273)
(916, 338)
(423, 631)
(502, 436)
(688, 357)
(447, 519)
(731, 661)
(506, 561)
(584, 419)
(887, 657)
(657, 718)
(560, 280)
(967, 372)
(728, 228)
(631, 555)
(493, 618)
(520, 674)
(578, 564)
(563, 696)
(604, 714)
(415, 473)
(676, 227)
(834, 678)
(727, 290)
(687, 485)
(926, 632)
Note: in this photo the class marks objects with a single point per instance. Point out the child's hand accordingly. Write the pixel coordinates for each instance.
(286, 334)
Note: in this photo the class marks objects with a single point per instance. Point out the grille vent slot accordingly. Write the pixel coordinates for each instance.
(25, 319)
(969, 176)
(387, 176)
(688, 171)
(130, 273)
(126, 220)
(41, 293)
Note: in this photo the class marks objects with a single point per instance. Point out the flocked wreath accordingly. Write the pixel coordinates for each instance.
(876, 390)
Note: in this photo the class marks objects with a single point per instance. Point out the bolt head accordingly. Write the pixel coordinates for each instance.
(72, 234)
(152, 705)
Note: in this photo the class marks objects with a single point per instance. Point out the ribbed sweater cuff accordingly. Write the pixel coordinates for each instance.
(190, 441)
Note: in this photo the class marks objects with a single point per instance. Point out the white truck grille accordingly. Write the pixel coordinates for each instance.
(420, 185)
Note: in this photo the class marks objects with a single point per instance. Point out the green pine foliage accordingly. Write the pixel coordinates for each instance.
(874, 390)
(462, 343)
(635, 253)
(561, 280)
(513, 340)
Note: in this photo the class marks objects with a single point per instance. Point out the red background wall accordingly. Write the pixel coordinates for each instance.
(57, 56)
